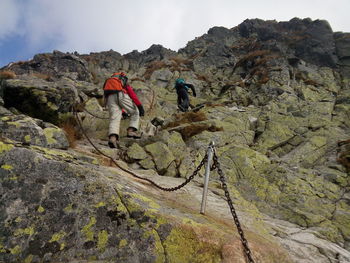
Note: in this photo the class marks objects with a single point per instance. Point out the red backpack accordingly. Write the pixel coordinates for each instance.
(116, 82)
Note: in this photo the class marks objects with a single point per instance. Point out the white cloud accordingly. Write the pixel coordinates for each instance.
(90, 25)
(9, 18)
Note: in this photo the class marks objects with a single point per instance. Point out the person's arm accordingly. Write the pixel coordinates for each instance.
(133, 95)
(192, 88)
(135, 99)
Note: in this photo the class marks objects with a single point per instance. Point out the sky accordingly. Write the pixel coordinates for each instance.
(29, 27)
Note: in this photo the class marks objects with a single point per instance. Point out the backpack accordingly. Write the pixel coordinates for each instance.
(179, 81)
(116, 82)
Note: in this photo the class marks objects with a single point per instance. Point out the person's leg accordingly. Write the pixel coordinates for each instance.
(129, 106)
(185, 101)
(115, 114)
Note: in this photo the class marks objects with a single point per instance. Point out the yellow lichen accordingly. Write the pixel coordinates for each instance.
(57, 236)
(100, 204)
(87, 229)
(115, 200)
(158, 247)
(69, 208)
(28, 259)
(16, 250)
(24, 231)
(123, 243)
(27, 138)
(146, 200)
(7, 167)
(14, 124)
(41, 209)
(62, 246)
(182, 245)
(2, 248)
(52, 106)
(102, 240)
(4, 147)
(49, 134)
(50, 153)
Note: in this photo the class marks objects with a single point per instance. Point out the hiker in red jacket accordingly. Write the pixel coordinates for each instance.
(119, 95)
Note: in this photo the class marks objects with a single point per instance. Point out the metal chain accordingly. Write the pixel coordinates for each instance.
(189, 179)
(215, 165)
(244, 241)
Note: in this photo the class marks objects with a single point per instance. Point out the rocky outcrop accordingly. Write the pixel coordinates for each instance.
(273, 96)
(55, 65)
(40, 98)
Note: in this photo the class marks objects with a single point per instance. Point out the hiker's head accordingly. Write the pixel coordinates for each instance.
(180, 81)
(119, 74)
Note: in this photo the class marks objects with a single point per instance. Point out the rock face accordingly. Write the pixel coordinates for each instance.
(274, 97)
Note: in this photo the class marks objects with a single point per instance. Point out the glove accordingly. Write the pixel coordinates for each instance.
(141, 110)
(125, 115)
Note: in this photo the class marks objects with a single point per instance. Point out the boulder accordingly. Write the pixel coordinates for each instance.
(161, 155)
(39, 98)
(31, 131)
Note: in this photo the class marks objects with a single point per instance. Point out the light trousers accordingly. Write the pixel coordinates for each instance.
(117, 102)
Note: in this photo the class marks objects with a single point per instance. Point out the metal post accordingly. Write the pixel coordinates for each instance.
(206, 177)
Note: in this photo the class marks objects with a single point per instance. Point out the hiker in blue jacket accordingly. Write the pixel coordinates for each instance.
(182, 88)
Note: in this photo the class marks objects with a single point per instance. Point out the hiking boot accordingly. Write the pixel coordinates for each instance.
(113, 141)
(134, 134)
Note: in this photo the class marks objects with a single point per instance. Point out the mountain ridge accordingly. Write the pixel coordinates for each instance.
(275, 99)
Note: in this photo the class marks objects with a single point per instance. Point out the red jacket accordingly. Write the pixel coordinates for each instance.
(132, 95)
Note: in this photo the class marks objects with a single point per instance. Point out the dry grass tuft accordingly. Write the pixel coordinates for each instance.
(181, 61)
(203, 78)
(344, 155)
(69, 126)
(302, 77)
(187, 117)
(7, 74)
(195, 129)
(153, 66)
(176, 64)
(137, 79)
(252, 56)
(42, 76)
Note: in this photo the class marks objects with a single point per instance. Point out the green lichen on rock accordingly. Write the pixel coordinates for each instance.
(136, 152)
(16, 250)
(123, 243)
(342, 218)
(176, 145)
(41, 209)
(88, 231)
(49, 134)
(162, 156)
(7, 167)
(102, 240)
(147, 163)
(57, 236)
(4, 147)
(182, 245)
(25, 231)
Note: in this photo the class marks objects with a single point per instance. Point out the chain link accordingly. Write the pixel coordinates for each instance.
(215, 165)
(244, 241)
